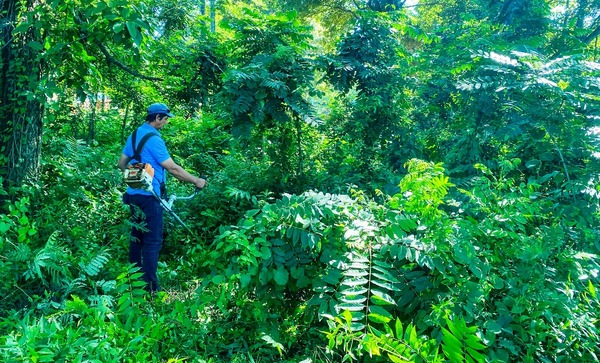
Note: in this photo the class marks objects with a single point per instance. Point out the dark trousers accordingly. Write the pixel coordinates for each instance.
(146, 235)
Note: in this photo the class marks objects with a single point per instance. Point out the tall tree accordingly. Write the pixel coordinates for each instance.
(576, 25)
(21, 107)
(372, 61)
(39, 54)
(266, 84)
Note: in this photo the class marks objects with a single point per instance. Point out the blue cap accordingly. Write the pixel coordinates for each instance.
(156, 108)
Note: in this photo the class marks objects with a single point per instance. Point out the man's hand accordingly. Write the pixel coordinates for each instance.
(200, 183)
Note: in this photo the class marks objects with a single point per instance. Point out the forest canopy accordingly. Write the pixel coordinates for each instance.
(388, 180)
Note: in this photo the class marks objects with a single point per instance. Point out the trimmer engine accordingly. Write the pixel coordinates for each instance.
(139, 176)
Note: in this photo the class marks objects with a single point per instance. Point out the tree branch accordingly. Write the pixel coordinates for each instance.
(420, 4)
(595, 33)
(504, 13)
(111, 60)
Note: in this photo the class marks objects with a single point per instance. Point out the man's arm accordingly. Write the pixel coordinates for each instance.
(123, 161)
(180, 173)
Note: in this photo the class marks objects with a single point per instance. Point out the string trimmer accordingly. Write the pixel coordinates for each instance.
(140, 175)
(168, 205)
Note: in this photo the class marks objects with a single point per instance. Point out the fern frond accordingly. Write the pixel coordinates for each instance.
(106, 286)
(367, 290)
(237, 194)
(102, 300)
(95, 265)
(71, 285)
(20, 253)
(238, 75)
(461, 343)
(276, 85)
(49, 260)
(243, 103)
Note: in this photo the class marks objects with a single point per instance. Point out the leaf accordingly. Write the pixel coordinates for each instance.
(406, 298)
(297, 272)
(455, 328)
(218, 279)
(493, 327)
(397, 231)
(407, 224)
(118, 27)
(381, 298)
(450, 339)
(385, 285)
(356, 273)
(281, 276)
(355, 290)
(273, 343)
(477, 357)
(21, 28)
(265, 252)
(533, 164)
(355, 282)
(244, 280)
(4, 227)
(354, 326)
(591, 289)
(333, 277)
(387, 277)
(378, 314)
(304, 238)
(35, 45)
(353, 299)
(399, 330)
(134, 32)
(350, 306)
(395, 359)
(474, 342)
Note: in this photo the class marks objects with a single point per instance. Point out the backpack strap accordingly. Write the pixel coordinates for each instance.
(137, 151)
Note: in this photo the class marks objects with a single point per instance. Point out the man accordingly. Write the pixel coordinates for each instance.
(146, 238)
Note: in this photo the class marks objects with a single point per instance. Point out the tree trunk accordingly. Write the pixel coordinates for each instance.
(124, 124)
(213, 24)
(581, 13)
(92, 118)
(300, 170)
(21, 111)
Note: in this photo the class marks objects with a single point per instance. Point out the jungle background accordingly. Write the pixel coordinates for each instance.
(388, 181)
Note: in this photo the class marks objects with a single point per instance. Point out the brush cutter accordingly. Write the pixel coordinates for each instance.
(167, 205)
(140, 175)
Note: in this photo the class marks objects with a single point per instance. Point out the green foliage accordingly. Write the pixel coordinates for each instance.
(188, 55)
(99, 327)
(484, 250)
(414, 279)
(59, 236)
(532, 250)
(269, 70)
(266, 86)
(286, 260)
(372, 63)
(460, 343)
(15, 242)
(395, 344)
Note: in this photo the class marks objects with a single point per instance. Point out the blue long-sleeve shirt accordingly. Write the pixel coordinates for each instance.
(154, 153)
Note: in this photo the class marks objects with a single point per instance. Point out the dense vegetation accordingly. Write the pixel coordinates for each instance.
(388, 181)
